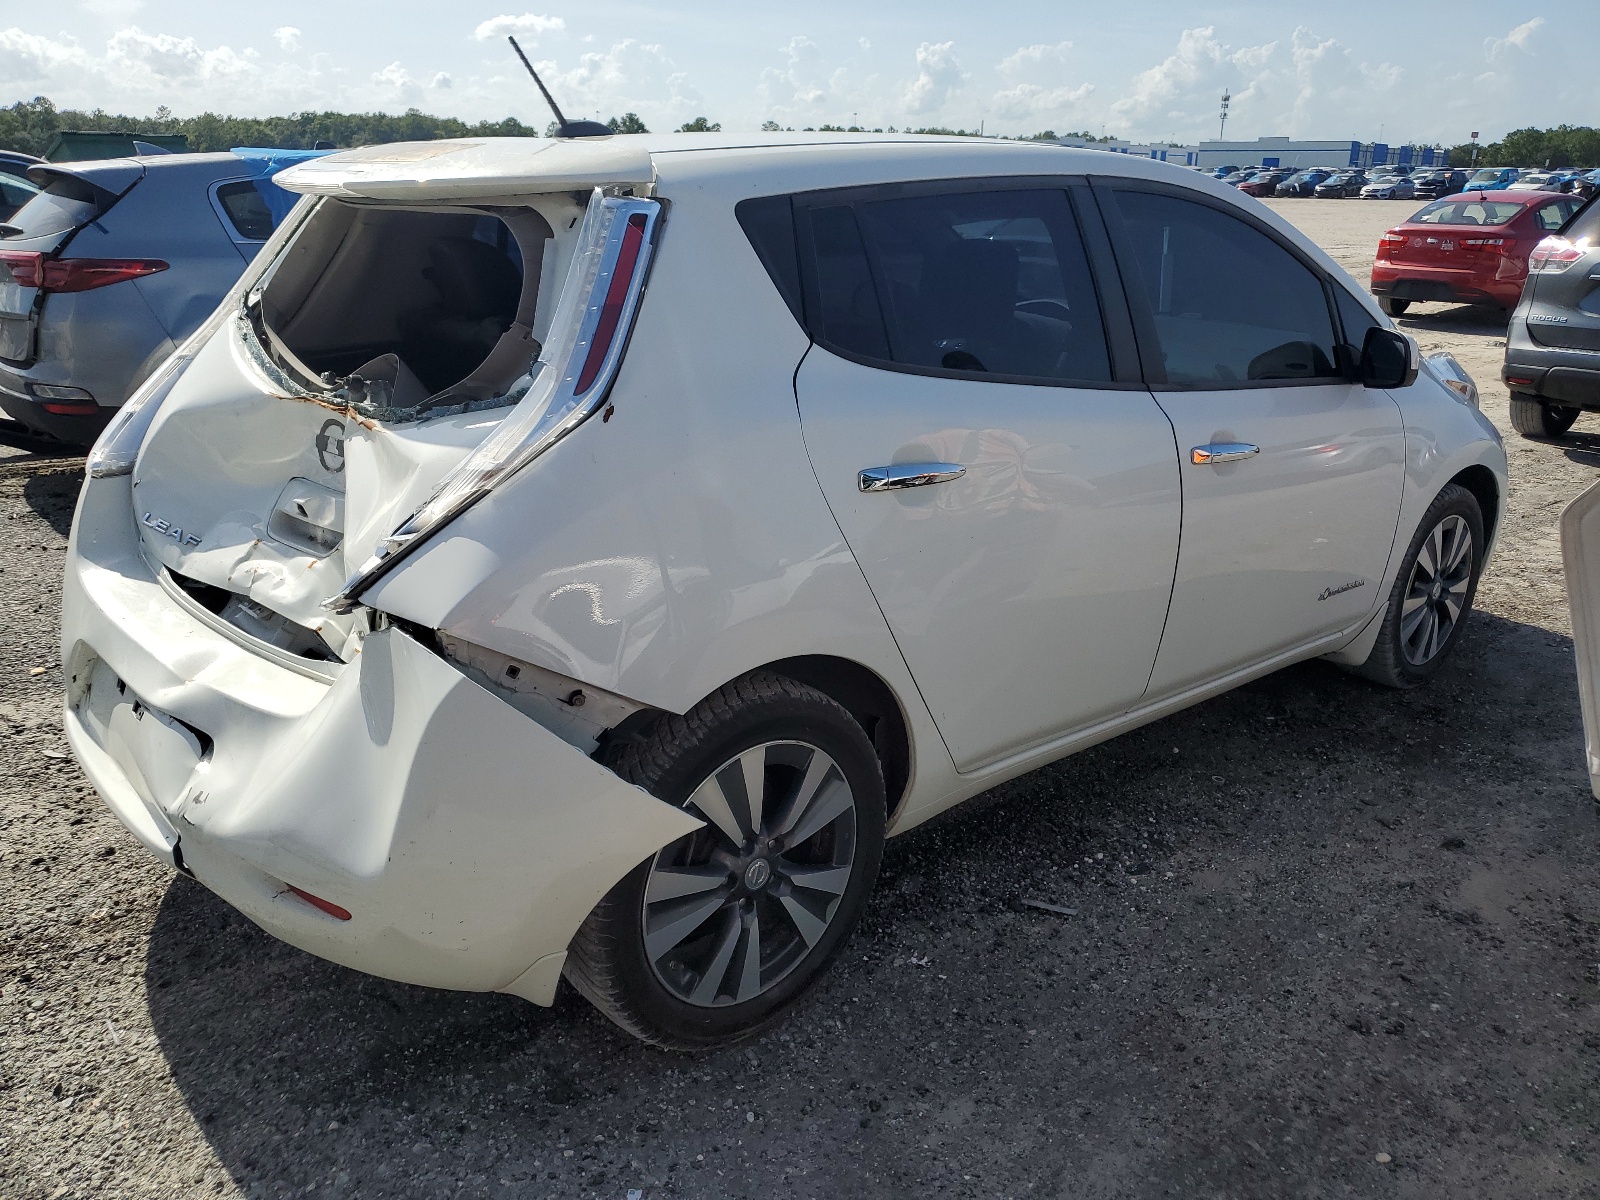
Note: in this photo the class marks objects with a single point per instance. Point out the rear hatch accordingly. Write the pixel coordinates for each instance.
(1563, 291)
(382, 343)
(69, 200)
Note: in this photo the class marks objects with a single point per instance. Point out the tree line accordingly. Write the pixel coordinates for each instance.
(1563, 146)
(28, 126)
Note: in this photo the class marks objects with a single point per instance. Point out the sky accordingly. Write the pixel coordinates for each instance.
(1426, 71)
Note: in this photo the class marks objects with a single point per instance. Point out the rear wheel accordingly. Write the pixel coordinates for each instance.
(1536, 419)
(721, 932)
(1392, 306)
(1432, 594)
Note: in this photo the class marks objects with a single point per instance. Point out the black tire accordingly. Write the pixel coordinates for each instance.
(1536, 419)
(1394, 658)
(1392, 306)
(662, 1000)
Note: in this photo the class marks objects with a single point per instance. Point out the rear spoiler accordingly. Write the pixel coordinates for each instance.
(107, 180)
(472, 168)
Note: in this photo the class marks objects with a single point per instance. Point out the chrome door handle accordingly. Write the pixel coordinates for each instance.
(1221, 452)
(908, 475)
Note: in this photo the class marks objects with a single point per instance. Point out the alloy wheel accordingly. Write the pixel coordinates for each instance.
(1436, 593)
(734, 907)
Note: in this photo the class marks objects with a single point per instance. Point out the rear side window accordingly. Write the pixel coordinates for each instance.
(1225, 302)
(1552, 216)
(247, 210)
(988, 283)
(1586, 224)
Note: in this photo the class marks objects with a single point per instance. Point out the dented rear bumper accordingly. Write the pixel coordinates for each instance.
(466, 842)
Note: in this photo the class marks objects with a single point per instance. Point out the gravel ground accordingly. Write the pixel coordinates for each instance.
(1329, 940)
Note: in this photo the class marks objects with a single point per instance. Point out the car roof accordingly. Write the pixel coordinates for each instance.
(464, 168)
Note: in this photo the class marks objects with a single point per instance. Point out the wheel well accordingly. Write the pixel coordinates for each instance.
(1480, 481)
(870, 701)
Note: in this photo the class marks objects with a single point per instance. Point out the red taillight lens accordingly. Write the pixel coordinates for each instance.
(32, 269)
(1555, 254)
(1484, 245)
(327, 906)
(611, 311)
(24, 265)
(1389, 243)
(86, 274)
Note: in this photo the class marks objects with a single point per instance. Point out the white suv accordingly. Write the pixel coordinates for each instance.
(576, 556)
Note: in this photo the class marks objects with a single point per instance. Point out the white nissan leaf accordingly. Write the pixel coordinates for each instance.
(573, 557)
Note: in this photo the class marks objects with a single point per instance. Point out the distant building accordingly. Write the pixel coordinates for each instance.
(1274, 152)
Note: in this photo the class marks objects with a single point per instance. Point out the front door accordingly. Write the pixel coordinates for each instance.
(1015, 511)
(1291, 473)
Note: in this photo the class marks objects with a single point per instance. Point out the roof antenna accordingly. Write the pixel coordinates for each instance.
(564, 127)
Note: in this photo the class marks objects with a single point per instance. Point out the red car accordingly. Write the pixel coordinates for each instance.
(1470, 248)
(1264, 184)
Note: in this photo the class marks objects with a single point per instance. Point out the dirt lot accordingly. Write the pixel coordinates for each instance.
(1329, 940)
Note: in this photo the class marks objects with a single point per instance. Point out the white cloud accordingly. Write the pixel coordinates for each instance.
(1030, 58)
(534, 23)
(156, 59)
(629, 77)
(939, 75)
(287, 37)
(1515, 41)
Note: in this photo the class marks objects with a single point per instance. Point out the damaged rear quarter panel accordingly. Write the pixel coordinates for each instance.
(466, 840)
(683, 541)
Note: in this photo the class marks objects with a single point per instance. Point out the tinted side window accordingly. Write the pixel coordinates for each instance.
(991, 282)
(1552, 216)
(247, 210)
(768, 222)
(1587, 224)
(1227, 303)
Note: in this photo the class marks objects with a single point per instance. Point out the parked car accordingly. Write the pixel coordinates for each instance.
(1235, 178)
(1222, 172)
(1552, 358)
(1467, 249)
(1586, 184)
(640, 678)
(1542, 181)
(1389, 187)
(1263, 183)
(1434, 184)
(112, 265)
(1490, 179)
(1304, 183)
(1337, 187)
(15, 187)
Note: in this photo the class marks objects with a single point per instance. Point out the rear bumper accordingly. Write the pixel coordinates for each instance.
(1443, 285)
(1569, 377)
(25, 410)
(466, 841)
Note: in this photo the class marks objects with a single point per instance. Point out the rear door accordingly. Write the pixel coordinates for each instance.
(1007, 485)
(1564, 292)
(1291, 472)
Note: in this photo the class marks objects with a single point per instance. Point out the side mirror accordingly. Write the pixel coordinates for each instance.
(1388, 359)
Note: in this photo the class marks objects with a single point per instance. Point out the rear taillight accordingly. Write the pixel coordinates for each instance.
(1555, 254)
(1484, 245)
(32, 269)
(611, 311)
(1389, 243)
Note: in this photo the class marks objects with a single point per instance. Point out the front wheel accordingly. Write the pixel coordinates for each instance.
(1392, 306)
(1535, 418)
(721, 932)
(1432, 594)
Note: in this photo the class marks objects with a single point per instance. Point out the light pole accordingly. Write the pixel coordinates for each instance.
(1222, 128)
(1474, 148)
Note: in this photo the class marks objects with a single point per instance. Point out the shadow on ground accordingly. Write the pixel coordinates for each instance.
(1318, 921)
